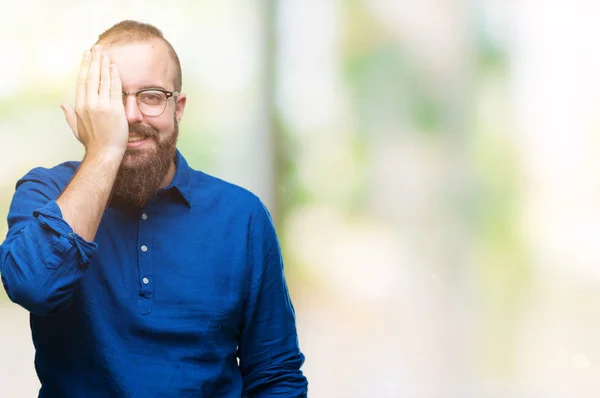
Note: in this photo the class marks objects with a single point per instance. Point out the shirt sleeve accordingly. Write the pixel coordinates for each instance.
(270, 357)
(42, 258)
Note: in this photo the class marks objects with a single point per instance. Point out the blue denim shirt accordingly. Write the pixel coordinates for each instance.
(185, 297)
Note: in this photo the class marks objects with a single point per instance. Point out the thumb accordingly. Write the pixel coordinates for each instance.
(71, 117)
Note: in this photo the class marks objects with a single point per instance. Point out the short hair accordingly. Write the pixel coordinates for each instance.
(129, 31)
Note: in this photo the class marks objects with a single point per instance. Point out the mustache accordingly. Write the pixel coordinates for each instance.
(143, 131)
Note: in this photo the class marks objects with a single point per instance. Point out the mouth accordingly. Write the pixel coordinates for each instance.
(136, 141)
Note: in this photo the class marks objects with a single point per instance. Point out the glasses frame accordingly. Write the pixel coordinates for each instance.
(136, 94)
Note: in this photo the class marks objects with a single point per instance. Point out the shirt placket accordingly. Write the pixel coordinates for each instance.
(145, 265)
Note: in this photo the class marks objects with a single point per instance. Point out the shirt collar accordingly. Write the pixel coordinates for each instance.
(181, 180)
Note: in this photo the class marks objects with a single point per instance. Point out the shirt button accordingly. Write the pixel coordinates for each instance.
(145, 281)
(144, 248)
(144, 216)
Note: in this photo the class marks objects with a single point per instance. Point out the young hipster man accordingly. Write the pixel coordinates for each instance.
(144, 277)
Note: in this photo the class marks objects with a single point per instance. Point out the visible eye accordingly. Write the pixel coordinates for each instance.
(151, 97)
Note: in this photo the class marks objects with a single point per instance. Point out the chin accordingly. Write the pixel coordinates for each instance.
(135, 157)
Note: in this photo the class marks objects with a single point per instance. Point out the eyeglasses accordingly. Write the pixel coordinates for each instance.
(151, 101)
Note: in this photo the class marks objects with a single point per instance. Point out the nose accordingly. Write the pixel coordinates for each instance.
(131, 110)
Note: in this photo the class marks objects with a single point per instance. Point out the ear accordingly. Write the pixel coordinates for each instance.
(180, 106)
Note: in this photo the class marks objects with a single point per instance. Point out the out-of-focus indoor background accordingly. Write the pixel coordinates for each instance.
(433, 167)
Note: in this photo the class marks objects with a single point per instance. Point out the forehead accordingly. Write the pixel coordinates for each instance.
(143, 64)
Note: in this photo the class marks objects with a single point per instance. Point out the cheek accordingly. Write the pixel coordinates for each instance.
(164, 126)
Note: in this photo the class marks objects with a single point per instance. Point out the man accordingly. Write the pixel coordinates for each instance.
(143, 277)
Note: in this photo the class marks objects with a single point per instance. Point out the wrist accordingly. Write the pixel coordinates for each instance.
(104, 155)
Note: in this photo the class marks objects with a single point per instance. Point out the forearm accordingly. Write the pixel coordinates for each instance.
(83, 201)
(272, 367)
(42, 260)
(278, 378)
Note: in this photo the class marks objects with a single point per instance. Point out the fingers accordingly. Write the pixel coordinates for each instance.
(81, 79)
(98, 80)
(93, 76)
(116, 91)
(71, 117)
(105, 85)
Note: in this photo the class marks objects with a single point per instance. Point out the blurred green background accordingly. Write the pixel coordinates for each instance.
(431, 167)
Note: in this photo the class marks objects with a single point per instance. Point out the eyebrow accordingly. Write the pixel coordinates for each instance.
(149, 88)
(152, 88)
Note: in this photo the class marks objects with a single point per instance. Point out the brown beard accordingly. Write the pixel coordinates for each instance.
(135, 185)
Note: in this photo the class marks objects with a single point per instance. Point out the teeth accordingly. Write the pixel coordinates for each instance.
(134, 139)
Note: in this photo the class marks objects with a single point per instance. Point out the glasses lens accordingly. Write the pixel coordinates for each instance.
(151, 103)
